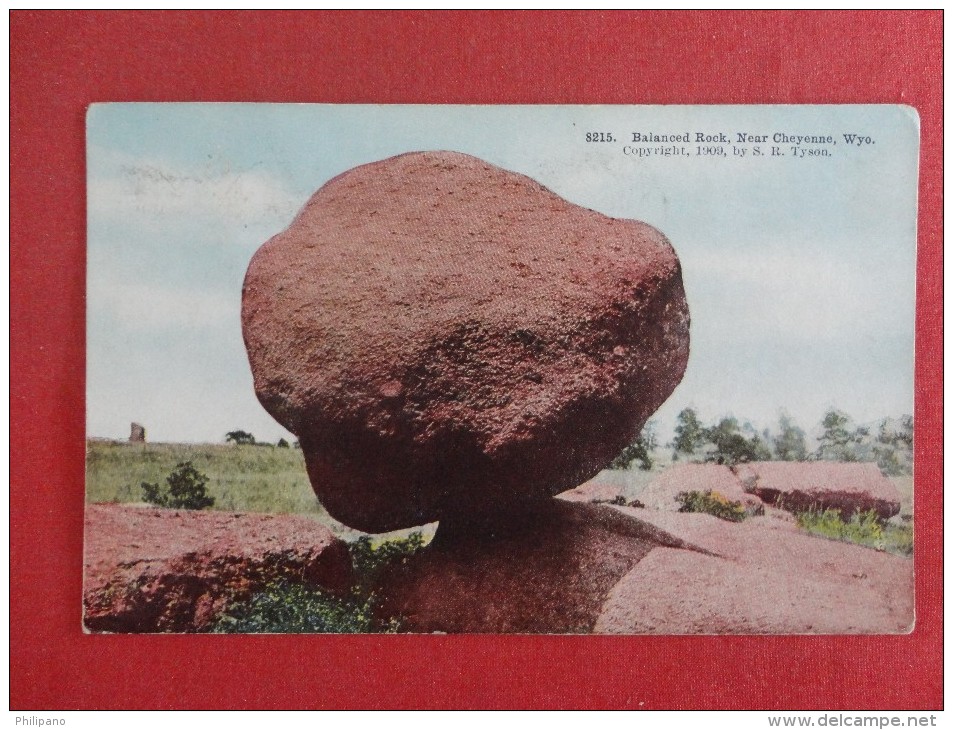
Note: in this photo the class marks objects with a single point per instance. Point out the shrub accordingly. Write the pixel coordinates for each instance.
(282, 444)
(369, 560)
(289, 608)
(863, 528)
(711, 503)
(184, 489)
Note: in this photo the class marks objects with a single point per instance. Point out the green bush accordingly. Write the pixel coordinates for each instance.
(184, 489)
(863, 528)
(711, 503)
(370, 559)
(289, 608)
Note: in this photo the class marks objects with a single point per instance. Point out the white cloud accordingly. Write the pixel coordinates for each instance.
(143, 191)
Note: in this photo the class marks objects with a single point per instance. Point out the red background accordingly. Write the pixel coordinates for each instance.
(61, 62)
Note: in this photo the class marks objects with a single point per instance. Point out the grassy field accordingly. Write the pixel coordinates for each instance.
(240, 478)
(265, 478)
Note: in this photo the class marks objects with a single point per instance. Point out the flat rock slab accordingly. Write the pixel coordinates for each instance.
(758, 580)
(449, 338)
(159, 570)
(820, 485)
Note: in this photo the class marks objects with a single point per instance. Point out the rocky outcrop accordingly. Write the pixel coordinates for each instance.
(137, 433)
(159, 570)
(795, 486)
(820, 485)
(584, 568)
(662, 493)
(450, 340)
(752, 579)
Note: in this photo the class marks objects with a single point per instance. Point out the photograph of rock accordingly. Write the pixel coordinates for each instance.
(500, 369)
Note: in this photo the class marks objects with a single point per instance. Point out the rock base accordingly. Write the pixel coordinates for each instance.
(584, 568)
(157, 570)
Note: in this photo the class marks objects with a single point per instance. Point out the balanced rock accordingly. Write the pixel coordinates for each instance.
(449, 339)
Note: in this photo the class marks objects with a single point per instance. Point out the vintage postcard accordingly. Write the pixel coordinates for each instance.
(500, 369)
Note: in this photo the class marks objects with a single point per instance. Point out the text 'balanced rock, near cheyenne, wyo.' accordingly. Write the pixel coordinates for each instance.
(452, 341)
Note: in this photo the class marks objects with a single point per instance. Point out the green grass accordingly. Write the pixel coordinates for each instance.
(240, 478)
(862, 529)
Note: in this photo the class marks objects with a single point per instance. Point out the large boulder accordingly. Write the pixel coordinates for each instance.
(160, 570)
(820, 485)
(449, 339)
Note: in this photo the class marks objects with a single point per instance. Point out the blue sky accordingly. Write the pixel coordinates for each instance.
(800, 273)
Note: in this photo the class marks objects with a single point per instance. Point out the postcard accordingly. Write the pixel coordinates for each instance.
(500, 369)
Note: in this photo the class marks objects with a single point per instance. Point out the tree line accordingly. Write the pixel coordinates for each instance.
(729, 442)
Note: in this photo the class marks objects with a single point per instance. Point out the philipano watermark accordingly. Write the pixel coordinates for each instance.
(853, 721)
(35, 721)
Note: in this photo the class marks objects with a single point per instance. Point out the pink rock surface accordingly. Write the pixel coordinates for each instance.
(821, 485)
(758, 580)
(661, 493)
(158, 570)
(593, 491)
(448, 338)
(579, 568)
(545, 572)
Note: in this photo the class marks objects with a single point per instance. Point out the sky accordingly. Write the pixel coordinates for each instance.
(799, 271)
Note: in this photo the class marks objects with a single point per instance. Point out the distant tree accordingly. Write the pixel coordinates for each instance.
(893, 449)
(689, 433)
(837, 442)
(282, 444)
(889, 462)
(639, 450)
(731, 446)
(790, 444)
(898, 433)
(239, 438)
